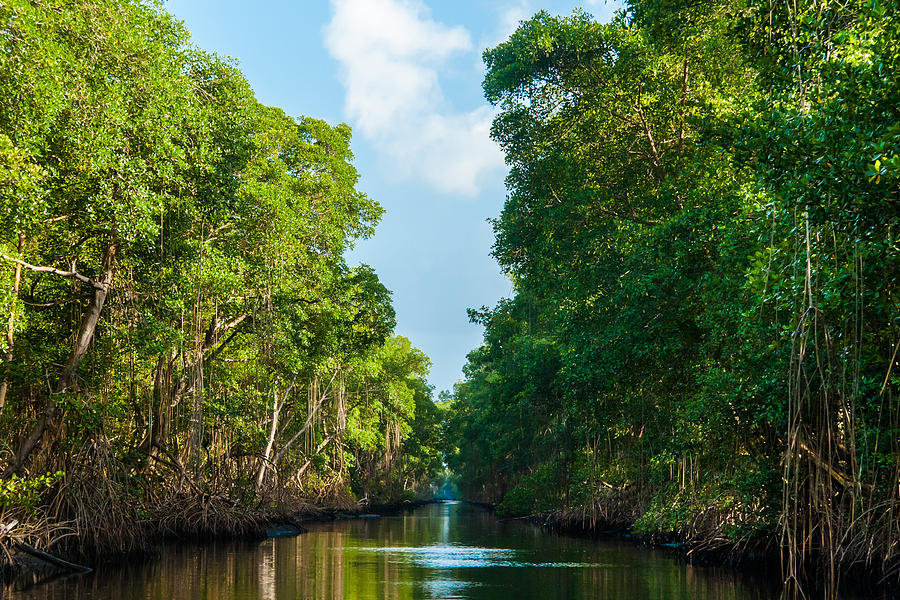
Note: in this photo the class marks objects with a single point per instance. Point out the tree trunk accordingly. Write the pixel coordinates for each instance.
(11, 326)
(309, 420)
(166, 393)
(88, 323)
(191, 376)
(273, 429)
(309, 459)
(156, 429)
(67, 378)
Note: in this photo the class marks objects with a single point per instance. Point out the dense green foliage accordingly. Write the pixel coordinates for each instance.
(180, 329)
(702, 232)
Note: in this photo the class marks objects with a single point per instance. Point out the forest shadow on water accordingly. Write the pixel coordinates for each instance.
(449, 550)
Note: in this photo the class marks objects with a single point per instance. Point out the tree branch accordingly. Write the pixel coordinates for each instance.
(684, 93)
(70, 274)
(309, 420)
(639, 108)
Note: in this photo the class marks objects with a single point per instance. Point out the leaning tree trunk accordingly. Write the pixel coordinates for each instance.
(67, 377)
(273, 431)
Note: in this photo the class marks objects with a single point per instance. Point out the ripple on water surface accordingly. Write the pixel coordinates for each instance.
(452, 556)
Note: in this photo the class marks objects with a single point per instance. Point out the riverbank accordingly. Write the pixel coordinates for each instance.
(211, 519)
(435, 552)
(758, 555)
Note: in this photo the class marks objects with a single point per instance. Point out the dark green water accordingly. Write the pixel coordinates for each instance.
(440, 551)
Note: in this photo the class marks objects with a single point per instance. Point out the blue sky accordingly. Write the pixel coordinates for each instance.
(406, 75)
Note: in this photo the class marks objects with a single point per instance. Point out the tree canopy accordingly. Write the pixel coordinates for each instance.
(180, 326)
(701, 232)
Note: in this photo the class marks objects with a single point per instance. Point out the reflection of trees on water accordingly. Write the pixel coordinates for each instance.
(437, 552)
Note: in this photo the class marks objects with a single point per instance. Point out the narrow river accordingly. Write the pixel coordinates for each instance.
(440, 551)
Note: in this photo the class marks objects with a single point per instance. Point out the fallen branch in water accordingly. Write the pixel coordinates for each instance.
(53, 560)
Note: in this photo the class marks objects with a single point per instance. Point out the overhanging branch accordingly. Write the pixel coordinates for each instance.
(70, 274)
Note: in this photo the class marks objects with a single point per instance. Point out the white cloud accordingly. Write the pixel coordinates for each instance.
(391, 53)
(604, 10)
(508, 14)
(510, 17)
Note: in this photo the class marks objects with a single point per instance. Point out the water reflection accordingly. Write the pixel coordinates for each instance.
(441, 551)
(442, 556)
